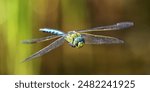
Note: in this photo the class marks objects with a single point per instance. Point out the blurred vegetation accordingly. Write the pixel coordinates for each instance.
(21, 19)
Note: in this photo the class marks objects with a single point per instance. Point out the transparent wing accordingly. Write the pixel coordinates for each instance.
(100, 39)
(117, 26)
(39, 39)
(50, 47)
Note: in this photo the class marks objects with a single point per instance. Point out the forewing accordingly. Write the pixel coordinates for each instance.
(39, 39)
(117, 26)
(50, 47)
(100, 39)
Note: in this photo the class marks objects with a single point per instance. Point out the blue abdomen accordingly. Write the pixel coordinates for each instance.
(52, 31)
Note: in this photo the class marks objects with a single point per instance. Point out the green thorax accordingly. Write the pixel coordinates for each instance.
(75, 39)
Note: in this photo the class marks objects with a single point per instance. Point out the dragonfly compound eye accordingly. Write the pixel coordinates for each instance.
(78, 42)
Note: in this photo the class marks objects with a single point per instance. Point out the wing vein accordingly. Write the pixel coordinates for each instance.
(100, 39)
(48, 48)
(38, 40)
(117, 26)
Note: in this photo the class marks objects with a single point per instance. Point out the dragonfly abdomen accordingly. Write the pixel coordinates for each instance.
(52, 31)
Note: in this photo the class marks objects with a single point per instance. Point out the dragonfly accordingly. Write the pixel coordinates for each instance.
(77, 38)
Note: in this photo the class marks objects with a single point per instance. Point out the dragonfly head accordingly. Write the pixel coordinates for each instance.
(78, 42)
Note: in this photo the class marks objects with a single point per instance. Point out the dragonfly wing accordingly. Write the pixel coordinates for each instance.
(39, 39)
(117, 26)
(100, 39)
(50, 47)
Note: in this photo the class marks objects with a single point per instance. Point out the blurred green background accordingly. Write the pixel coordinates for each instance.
(21, 19)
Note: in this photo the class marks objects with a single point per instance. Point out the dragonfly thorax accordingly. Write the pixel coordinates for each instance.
(75, 39)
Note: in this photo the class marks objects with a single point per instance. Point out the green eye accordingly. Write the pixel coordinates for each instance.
(80, 44)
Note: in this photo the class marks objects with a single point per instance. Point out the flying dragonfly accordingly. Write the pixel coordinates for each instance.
(77, 38)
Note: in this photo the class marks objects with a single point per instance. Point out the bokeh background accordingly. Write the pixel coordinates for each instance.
(21, 19)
